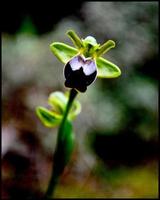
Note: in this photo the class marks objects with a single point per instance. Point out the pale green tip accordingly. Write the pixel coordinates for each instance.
(90, 40)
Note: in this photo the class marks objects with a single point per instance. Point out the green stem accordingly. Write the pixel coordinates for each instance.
(73, 94)
(58, 160)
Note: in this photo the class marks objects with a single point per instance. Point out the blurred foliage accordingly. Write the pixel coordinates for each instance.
(139, 182)
(27, 26)
(126, 105)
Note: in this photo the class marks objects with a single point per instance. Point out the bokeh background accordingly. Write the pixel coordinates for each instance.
(116, 153)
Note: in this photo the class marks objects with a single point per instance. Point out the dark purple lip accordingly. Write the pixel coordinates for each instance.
(80, 72)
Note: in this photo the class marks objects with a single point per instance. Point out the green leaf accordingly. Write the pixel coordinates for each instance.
(48, 118)
(63, 51)
(58, 101)
(106, 69)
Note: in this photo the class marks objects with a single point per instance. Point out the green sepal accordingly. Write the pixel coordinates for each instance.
(48, 118)
(107, 69)
(63, 51)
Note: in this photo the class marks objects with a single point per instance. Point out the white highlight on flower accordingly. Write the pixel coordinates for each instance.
(87, 64)
(89, 68)
(75, 63)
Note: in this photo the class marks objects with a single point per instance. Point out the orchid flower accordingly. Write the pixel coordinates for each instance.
(83, 64)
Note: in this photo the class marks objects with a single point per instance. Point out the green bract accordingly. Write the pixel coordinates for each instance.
(48, 118)
(89, 48)
(58, 101)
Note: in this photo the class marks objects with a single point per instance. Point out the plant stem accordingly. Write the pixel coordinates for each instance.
(58, 160)
(73, 94)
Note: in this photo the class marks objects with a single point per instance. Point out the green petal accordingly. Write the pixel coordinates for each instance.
(106, 69)
(58, 101)
(75, 38)
(105, 47)
(48, 118)
(63, 51)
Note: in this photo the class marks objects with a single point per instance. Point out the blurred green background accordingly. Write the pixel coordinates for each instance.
(116, 153)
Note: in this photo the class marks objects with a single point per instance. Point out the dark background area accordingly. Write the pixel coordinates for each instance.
(43, 14)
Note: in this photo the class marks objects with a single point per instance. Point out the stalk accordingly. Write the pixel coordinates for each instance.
(62, 154)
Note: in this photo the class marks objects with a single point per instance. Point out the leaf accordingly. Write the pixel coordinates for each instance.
(106, 69)
(63, 51)
(48, 118)
(58, 100)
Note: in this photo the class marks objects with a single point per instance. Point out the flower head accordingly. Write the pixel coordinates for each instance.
(84, 63)
(80, 72)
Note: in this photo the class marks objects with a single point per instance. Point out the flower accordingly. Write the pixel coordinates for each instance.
(80, 72)
(84, 63)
